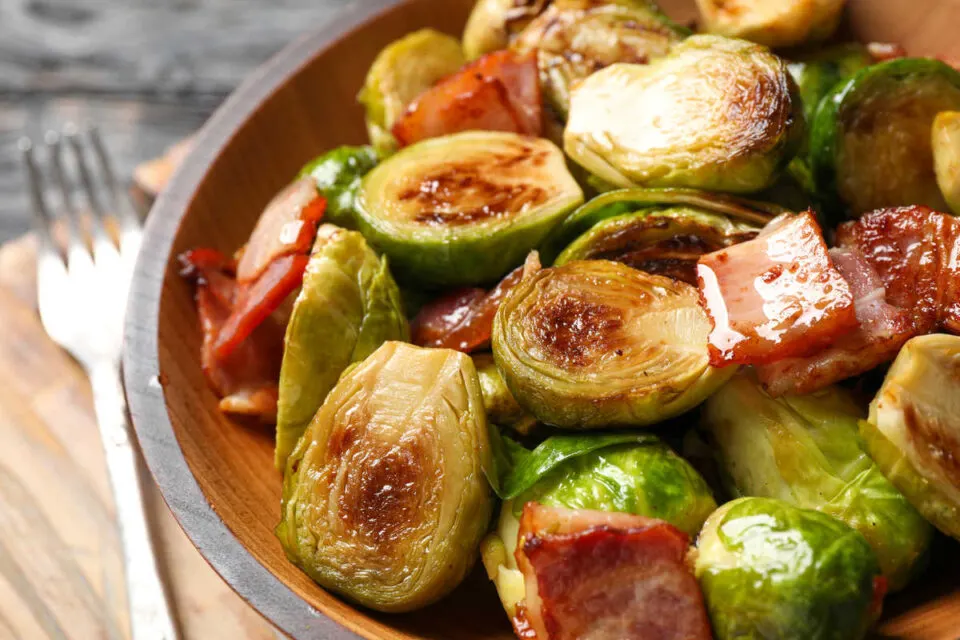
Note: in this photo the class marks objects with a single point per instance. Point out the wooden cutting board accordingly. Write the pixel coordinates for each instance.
(60, 565)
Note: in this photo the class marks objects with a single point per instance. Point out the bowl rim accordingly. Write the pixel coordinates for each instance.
(251, 580)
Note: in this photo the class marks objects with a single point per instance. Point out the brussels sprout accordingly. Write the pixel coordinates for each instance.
(622, 201)
(338, 174)
(805, 450)
(717, 113)
(630, 473)
(946, 156)
(914, 428)
(348, 305)
(772, 570)
(575, 38)
(774, 23)
(870, 141)
(465, 208)
(501, 407)
(402, 71)
(593, 344)
(665, 242)
(817, 73)
(493, 23)
(385, 499)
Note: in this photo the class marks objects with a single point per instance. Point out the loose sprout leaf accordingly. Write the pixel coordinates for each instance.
(337, 175)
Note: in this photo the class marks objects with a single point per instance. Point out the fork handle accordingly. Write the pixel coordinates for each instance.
(148, 602)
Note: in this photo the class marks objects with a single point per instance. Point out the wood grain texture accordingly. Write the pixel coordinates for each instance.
(217, 475)
(60, 560)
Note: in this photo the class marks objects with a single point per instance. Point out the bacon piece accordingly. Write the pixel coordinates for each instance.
(882, 330)
(497, 92)
(287, 225)
(463, 319)
(246, 380)
(776, 296)
(914, 251)
(605, 576)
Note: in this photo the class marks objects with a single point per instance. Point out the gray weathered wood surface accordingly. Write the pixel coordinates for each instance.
(148, 72)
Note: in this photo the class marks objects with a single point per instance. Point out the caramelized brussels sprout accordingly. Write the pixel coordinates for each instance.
(615, 203)
(772, 570)
(502, 409)
(716, 113)
(338, 174)
(946, 156)
(774, 23)
(385, 499)
(629, 473)
(575, 38)
(494, 23)
(870, 141)
(402, 71)
(805, 450)
(465, 208)
(593, 344)
(914, 428)
(665, 242)
(347, 307)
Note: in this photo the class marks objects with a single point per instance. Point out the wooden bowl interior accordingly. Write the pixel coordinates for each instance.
(316, 110)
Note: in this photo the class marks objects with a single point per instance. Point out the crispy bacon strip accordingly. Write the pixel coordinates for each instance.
(605, 576)
(916, 253)
(462, 319)
(287, 225)
(882, 330)
(246, 380)
(498, 92)
(776, 296)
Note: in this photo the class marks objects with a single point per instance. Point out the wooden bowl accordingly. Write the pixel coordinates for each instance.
(218, 476)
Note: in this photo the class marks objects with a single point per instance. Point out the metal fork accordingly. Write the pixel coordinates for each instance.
(82, 292)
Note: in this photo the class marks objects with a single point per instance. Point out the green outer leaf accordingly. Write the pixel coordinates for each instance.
(827, 127)
(820, 72)
(557, 449)
(621, 201)
(383, 317)
(338, 174)
(771, 570)
(507, 454)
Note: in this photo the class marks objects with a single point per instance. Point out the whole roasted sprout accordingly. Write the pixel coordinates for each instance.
(338, 174)
(806, 450)
(774, 23)
(914, 428)
(870, 143)
(385, 498)
(946, 156)
(665, 242)
(593, 344)
(465, 208)
(502, 408)
(347, 307)
(402, 71)
(772, 570)
(716, 113)
(628, 473)
(575, 38)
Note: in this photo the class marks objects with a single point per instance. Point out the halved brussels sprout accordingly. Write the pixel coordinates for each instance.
(347, 307)
(402, 71)
(385, 498)
(946, 156)
(805, 450)
(493, 23)
(665, 242)
(593, 344)
(716, 113)
(338, 174)
(774, 23)
(615, 203)
(772, 570)
(913, 432)
(817, 73)
(575, 38)
(870, 142)
(629, 473)
(502, 408)
(465, 208)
